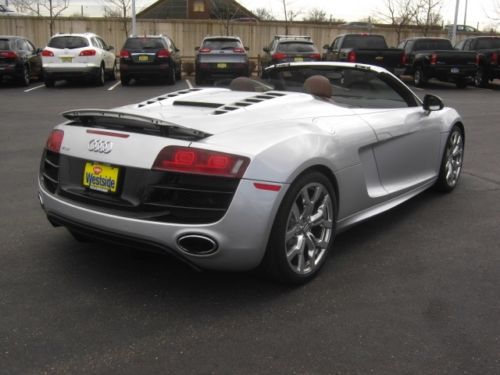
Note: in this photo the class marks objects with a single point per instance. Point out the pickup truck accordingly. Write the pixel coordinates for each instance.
(426, 58)
(487, 49)
(363, 48)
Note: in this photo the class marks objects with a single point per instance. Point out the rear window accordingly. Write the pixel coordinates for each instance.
(488, 43)
(364, 42)
(433, 44)
(144, 43)
(221, 44)
(70, 42)
(4, 44)
(296, 47)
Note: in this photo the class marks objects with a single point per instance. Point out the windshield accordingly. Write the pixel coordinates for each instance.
(433, 44)
(219, 44)
(143, 43)
(4, 44)
(352, 87)
(296, 47)
(70, 42)
(488, 43)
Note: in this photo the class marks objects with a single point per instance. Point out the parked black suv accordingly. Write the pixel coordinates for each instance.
(289, 48)
(19, 59)
(151, 56)
(221, 57)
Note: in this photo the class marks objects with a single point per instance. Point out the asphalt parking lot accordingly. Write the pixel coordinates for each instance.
(412, 291)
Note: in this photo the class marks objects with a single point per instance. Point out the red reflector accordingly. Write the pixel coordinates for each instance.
(111, 134)
(88, 52)
(434, 59)
(124, 54)
(204, 50)
(55, 140)
(47, 53)
(8, 54)
(197, 161)
(163, 54)
(279, 56)
(267, 187)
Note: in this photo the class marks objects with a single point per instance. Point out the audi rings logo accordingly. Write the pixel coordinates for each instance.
(101, 146)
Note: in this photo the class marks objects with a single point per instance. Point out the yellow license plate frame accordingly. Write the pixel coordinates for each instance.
(298, 59)
(66, 59)
(221, 66)
(143, 58)
(101, 177)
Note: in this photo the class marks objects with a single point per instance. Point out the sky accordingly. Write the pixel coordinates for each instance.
(477, 10)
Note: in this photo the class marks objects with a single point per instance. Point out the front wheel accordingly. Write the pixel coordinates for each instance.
(451, 163)
(303, 230)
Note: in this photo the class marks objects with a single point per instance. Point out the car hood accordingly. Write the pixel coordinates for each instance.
(218, 110)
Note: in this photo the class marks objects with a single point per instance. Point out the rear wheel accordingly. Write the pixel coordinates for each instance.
(171, 76)
(419, 78)
(481, 79)
(124, 79)
(25, 76)
(451, 164)
(49, 82)
(101, 76)
(113, 73)
(303, 230)
(461, 83)
(178, 74)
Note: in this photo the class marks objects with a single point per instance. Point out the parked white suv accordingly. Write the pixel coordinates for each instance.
(72, 56)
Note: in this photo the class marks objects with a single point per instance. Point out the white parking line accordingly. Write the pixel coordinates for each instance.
(190, 85)
(34, 88)
(114, 86)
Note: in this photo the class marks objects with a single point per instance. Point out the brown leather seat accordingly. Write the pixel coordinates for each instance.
(242, 84)
(319, 86)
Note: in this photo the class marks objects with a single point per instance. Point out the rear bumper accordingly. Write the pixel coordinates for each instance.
(63, 71)
(138, 70)
(11, 70)
(212, 71)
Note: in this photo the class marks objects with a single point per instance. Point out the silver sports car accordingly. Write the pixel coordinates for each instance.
(260, 174)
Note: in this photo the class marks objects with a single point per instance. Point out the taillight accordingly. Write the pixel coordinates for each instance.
(47, 53)
(404, 59)
(279, 56)
(494, 58)
(88, 52)
(55, 140)
(239, 50)
(8, 54)
(124, 54)
(163, 54)
(351, 56)
(197, 161)
(315, 56)
(204, 50)
(434, 59)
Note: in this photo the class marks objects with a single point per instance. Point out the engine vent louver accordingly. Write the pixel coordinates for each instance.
(166, 96)
(247, 102)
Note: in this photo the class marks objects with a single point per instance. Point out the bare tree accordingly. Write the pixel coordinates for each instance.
(399, 13)
(225, 11)
(38, 7)
(428, 14)
(290, 15)
(263, 14)
(120, 9)
(316, 15)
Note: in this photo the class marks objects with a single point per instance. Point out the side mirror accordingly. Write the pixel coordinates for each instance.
(247, 49)
(432, 103)
(265, 49)
(111, 48)
(196, 48)
(38, 50)
(326, 46)
(177, 49)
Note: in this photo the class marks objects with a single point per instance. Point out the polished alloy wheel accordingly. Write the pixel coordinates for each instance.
(454, 158)
(309, 228)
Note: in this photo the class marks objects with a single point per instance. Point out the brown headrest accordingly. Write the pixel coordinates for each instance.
(242, 84)
(319, 86)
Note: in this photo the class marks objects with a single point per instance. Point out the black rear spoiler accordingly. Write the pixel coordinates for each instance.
(131, 122)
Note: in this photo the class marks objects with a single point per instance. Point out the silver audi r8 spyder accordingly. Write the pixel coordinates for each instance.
(257, 174)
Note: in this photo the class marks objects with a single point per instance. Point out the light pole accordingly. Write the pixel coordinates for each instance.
(454, 31)
(134, 29)
(465, 15)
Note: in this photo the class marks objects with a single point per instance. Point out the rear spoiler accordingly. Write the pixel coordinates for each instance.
(109, 119)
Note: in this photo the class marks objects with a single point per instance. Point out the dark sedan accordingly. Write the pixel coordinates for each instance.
(19, 59)
(221, 57)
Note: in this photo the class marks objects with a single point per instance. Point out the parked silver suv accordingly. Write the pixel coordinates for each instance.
(72, 56)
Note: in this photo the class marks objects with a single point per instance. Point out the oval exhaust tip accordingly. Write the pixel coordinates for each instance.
(197, 244)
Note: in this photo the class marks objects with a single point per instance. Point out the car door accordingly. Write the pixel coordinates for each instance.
(408, 138)
(35, 61)
(109, 55)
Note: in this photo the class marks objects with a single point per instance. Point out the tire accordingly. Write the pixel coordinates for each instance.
(100, 78)
(481, 78)
(124, 79)
(113, 74)
(461, 83)
(302, 234)
(451, 163)
(419, 78)
(25, 78)
(171, 76)
(49, 82)
(178, 74)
